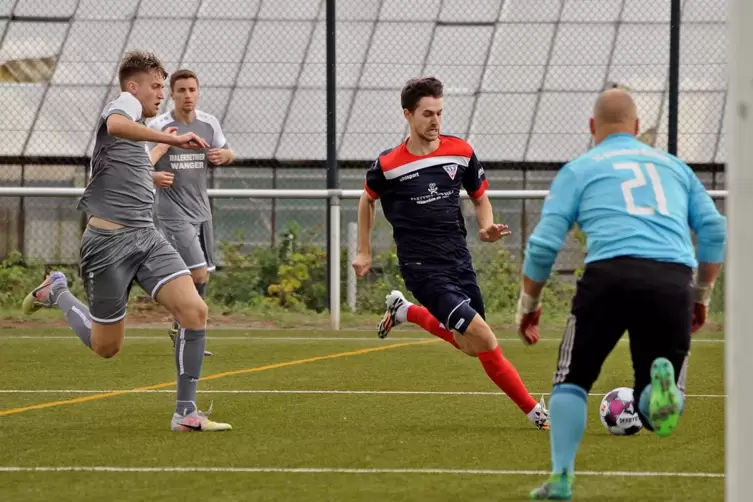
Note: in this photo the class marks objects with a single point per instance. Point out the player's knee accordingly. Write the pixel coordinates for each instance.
(192, 314)
(480, 335)
(465, 345)
(108, 351)
(106, 347)
(107, 339)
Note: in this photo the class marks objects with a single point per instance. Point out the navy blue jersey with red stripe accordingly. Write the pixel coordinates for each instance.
(420, 197)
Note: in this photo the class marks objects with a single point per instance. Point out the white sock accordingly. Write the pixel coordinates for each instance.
(402, 311)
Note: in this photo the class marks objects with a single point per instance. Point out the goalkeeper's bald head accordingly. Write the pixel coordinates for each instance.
(614, 112)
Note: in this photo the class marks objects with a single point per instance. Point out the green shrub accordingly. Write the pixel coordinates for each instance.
(18, 277)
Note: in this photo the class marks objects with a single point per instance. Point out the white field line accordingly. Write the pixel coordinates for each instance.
(296, 338)
(275, 391)
(328, 470)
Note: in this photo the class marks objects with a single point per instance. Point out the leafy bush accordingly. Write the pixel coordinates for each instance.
(291, 275)
(18, 278)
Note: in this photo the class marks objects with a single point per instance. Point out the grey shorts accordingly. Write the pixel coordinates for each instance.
(194, 242)
(112, 259)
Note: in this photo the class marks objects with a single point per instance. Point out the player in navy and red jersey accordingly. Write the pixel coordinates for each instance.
(419, 185)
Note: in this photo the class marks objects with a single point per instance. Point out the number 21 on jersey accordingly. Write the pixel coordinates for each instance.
(638, 181)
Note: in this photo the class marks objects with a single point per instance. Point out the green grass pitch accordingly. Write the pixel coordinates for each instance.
(318, 417)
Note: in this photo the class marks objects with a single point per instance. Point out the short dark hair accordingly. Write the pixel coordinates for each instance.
(417, 88)
(135, 62)
(182, 74)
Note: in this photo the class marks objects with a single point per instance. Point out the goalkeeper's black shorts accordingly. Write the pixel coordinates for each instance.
(651, 300)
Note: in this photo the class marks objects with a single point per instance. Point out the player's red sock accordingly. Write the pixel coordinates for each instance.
(504, 374)
(419, 315)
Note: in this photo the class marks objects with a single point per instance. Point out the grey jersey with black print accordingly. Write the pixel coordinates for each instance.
(121, 187)
(186, 199)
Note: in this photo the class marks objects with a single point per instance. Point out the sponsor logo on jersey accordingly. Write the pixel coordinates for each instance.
(187, 161)
(409, 176)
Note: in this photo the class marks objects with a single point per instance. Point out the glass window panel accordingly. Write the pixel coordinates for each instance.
(641, 57)
(112, 93)
(165, 37)
(388, 63)
(705, 11)
(353, 10)
(699, 118)
(106, 9)
(721, 152)
(591, 10)
(91, 52)
(270, 63)
(229, 9)
(352, 41)
(415, 11)
(168, 8)
(457, 56)
(45, 8)
(369, 133)
(470, 11)
(66, 120)
(650, 108)
(501, 125)
(456, 115)
(215, 50)
(32, 40)
(20, 104)
(526, 10)
(254, 120)
(703, 57)
(290, 9)
(305, 135)
(518, 57)
(580, 57)
(647, 11)
(560, 131)
(6, 6)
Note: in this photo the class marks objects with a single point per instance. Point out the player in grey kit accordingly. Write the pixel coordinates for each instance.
(121, 245)
(180, 175)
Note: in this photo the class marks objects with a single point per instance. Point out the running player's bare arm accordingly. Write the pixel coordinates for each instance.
(123, 127)
(366, 217)
(488, 231)
(221, 156)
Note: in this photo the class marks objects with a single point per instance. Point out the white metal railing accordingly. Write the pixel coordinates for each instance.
(334, 196)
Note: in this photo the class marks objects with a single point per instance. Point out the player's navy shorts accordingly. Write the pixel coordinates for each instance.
(450, 294)
(194, 242)
(112, 259)
(651, 300)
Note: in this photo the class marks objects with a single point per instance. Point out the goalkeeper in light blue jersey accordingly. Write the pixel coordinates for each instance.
(637, 206)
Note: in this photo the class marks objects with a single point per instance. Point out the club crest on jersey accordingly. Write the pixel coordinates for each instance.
(451, 170)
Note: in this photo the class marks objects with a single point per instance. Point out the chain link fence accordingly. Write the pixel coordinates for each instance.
(520, 80)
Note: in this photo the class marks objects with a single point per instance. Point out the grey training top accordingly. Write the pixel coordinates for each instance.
(121, 187)
(186, 199)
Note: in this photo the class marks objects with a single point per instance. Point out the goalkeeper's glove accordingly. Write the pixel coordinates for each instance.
(701, 301)
(529, 313)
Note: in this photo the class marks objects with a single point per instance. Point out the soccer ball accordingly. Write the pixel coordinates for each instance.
(618, 412)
